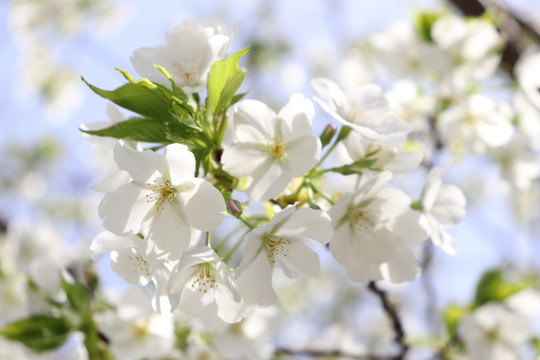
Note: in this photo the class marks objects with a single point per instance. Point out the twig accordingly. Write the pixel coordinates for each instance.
(394, 318)
(329, 353)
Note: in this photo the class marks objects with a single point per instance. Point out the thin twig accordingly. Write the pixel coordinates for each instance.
(329, 353)
(392, 314)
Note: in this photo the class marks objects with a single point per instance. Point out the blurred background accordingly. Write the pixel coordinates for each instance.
(47, 168)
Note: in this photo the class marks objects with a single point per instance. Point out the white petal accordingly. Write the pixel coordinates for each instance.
(141, 165)
(307, 223)
(181, 163)
(107, 241)
(255, 281)
(240, 159)
(411, 228)
(253, 121)
(296, 117)
(268, 183)
(124, 209)
(169, 230)
(297, 259)
(131, 267)
(302, 155)
(403, 267)
(143, 60)
(450, 206)
(331, 95)
(204, 206)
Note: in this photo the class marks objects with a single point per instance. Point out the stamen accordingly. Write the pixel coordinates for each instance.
(276, 246)
(162, 193)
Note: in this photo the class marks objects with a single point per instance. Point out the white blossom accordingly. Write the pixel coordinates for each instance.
(163, 202)
(190, 50)
(270, 150)
(477, 123)
(364, 109)
(442, 206)
(200, 286)
(135, 331)
(492, 332)
(281, 243)
(374, 230)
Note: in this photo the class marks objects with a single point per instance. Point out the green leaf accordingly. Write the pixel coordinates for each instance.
(39, 332)
(138, 129)
(224, 80)
(142, 97)
(178, 92)
(355, 168)
(182, 133)
(493, 287)
(423, 22)
(452, 315)
(77, 295)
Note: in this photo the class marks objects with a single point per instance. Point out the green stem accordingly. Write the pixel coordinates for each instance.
(246, 222)
(208, 239)
(321, 194)
(234, 248)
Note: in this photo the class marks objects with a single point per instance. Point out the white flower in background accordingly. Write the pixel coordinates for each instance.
(384, 154)
(200, 286)
(472, 45)
(405, 54)
(271, 149)
(374, 229)
(112, 176)
(519, 163)
(162, 202)
(528, 116)
(408, 102)
(492, 332)
(135, 331)
(190, 50)
(442, 206)
(281, 243)
(126, 260)
(527, 98)
(477, 123)
(364, 109)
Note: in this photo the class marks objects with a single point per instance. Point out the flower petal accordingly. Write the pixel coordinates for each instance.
(204, 205)
(181, 163)
(124, 209)
(255, 282)
(141, 165)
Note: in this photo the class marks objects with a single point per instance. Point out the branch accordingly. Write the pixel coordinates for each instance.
(513, 28)
(331, 354)
(394, 318)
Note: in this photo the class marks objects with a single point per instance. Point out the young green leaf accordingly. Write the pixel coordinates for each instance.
(39, 332)
(141, 97)
(493, 287)
(224, 80)
(138, 129)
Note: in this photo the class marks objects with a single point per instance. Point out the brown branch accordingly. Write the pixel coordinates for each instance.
(513, 28)
(392, 314)
(329, 353)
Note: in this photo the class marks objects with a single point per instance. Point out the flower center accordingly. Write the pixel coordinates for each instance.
(277, 149)
(162, 193)
(357, 116)
(362, 219)
(205, 280)
(140, 265)
(140, 327)
(276, 246)
(186, 70)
